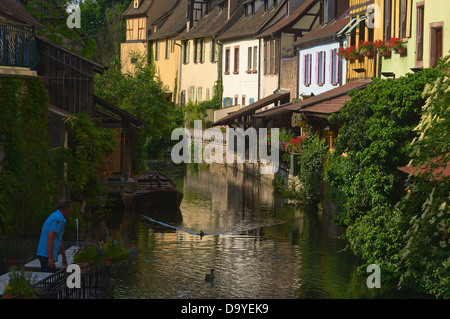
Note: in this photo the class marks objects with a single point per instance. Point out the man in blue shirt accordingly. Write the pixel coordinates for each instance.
(51, 240)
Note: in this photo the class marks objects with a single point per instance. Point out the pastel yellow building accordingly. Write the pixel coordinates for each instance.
(166, 52)
(427, 36)
(143, 17)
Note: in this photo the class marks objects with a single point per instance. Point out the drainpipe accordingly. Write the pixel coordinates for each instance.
(219, 66)
(260, 72)
(181, 66)
(279, 62)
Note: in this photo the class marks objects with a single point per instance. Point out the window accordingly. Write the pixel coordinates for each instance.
(183, 98)
(191, 93)
(196, 50)
(271, 57)
(207, 98)
(199, 53)
(320, 67)
(436, 49)
(255, 58)
(157, 50)
(243, 100)
(227, 61)
(186, 50)
(236, 99)
(420, 32)
(236, 60)
(388, 19)
(403, 18)
(199, 95)
(307, 69)
(249, 59)
(212, 52)
(167, 51)
(334, 67)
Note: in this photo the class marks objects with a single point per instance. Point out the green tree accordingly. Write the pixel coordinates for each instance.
(142, 93)
(425, 209)
(377, 127)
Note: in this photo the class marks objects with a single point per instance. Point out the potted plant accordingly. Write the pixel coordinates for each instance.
(114, 249)
(88, 256)
(21, 285)
(351, 53)
(367, 48)
(396, 44)
(382, 48)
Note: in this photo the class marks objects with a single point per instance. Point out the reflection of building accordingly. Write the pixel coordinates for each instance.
(234, 198)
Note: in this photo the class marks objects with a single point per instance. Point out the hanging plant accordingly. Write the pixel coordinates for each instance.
(382, 48)
(397, 45)
(351, 53)
(366, 48)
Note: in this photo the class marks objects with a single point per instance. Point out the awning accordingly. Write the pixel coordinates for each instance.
(114, 116)
(252, 108)
(327, 102)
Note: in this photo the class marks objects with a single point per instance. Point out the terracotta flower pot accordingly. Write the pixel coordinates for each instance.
(386, 54)
(107, 261)
(84, 267)
(401, 51)
(368, 54)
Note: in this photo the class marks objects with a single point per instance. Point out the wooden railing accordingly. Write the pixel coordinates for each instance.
(17, 46)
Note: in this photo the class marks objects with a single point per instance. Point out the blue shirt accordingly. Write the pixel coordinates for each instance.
(55, 222)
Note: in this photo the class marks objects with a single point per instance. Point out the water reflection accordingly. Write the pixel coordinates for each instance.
(299, 257)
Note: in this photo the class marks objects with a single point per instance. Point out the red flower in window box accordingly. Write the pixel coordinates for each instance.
(350, 53)
(366, 48)
(397, 45)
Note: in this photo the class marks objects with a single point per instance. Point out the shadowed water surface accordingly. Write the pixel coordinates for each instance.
(260, 247)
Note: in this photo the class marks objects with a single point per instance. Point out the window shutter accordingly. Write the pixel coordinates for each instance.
(403, 19)
(338, 69)
(323, 66)
(203, 50)
(419, 31)
(224, 105)
(331, 66)
(265, 57)
(231, 101)
(388, 19)
(310, 68)
(317, 68)
(304, 69)
(188, 51)
(277, 56)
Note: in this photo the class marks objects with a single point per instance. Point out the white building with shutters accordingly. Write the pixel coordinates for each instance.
(320, 68)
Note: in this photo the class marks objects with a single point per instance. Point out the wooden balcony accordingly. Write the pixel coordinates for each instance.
(358, 7)
(18, 54)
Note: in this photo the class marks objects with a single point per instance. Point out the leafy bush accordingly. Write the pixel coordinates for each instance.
(377, 127)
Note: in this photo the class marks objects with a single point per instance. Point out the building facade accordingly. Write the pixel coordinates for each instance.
(165, 52)
(426, 36)
(143, 17)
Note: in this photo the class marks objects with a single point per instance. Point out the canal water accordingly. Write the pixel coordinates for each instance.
(259, 247)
